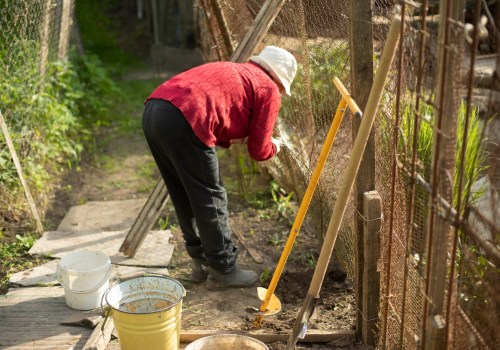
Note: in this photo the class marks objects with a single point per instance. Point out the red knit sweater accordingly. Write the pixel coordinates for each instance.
(223, 101)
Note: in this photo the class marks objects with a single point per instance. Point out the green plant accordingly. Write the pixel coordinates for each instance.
(163, 223)
(317, 85)
(265, 276)
(475, 154)
(100, 34)
(51, 115)
(281, 199)
(251, 233)
(16, 249)
(275, 239)
(311, 261)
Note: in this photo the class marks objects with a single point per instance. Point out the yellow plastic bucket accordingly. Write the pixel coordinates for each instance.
(147, 312)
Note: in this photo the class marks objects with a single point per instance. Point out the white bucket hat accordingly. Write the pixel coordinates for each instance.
(279, 63)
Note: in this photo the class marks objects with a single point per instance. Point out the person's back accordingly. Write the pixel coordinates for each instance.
(223, 100)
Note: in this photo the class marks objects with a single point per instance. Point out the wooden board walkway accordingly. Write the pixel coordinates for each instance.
(30, 319)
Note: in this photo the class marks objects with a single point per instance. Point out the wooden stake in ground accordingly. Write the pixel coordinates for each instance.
(27, 192)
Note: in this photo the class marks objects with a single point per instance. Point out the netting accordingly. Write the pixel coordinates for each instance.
(318, 39)
(437, 268)
(34, 34)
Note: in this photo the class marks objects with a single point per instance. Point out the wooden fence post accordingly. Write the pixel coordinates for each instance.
(361, 47)
(372, 213)
(447, 105)
(64, 32)
(45, 37)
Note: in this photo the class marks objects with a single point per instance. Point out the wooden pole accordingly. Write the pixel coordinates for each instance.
(448, 101)
(223, 26)
(45, 37)
(154, 15)
(27, 192)
(361, 46)
(259, 28)
(372, 213)
(64, 33)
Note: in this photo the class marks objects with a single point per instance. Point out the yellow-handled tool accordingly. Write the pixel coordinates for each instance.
(270, 303)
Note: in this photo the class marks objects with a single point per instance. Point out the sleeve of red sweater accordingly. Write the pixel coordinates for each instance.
(264, 115)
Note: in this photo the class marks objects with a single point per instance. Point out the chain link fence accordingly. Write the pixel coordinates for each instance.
(436, 143)
(34, 34)
(436, 161)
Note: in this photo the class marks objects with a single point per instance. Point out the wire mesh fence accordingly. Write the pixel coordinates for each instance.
(436, 168)
(436, 142)
(34, 35)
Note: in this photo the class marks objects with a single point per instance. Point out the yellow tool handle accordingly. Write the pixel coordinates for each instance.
(346, 96)
(299, 219)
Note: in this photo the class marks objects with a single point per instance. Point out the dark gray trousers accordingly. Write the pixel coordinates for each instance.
(190, 170)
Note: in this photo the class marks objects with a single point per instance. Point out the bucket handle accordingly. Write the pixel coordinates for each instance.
(126, 278)
(106, 277)
(106, 309)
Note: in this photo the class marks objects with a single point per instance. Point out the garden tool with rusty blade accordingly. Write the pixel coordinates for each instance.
(300, 327)
(270, 303)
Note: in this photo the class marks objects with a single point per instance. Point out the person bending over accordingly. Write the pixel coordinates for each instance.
(185, 118)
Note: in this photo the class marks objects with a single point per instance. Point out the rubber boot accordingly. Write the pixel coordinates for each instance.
(199, 270)
(237, 278)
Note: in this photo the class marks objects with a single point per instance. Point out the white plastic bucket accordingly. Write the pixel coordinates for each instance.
(84, 276)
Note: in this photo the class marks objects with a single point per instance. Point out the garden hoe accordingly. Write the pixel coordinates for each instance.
(300, 328)
(270, 303)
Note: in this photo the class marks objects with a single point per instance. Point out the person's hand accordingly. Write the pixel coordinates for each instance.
(277, 143)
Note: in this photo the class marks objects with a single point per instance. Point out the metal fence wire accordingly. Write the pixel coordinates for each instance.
(436, 163)
(34, 35)
(436, 143)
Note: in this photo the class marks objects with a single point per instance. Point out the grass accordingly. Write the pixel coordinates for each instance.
(14, 257)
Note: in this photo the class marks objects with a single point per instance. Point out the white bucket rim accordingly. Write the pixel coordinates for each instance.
(98, 286)
(117, 284)
(105, 258)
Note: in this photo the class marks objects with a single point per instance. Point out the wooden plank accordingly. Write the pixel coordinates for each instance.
(60, 243)
(102, 215)
(30, 319)
(46, 274)
(361, 47)
(158, 198)
(19, 169)
(312, 336)
(372, 212)
(101, 336)
(148, 216)
(261, 24)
